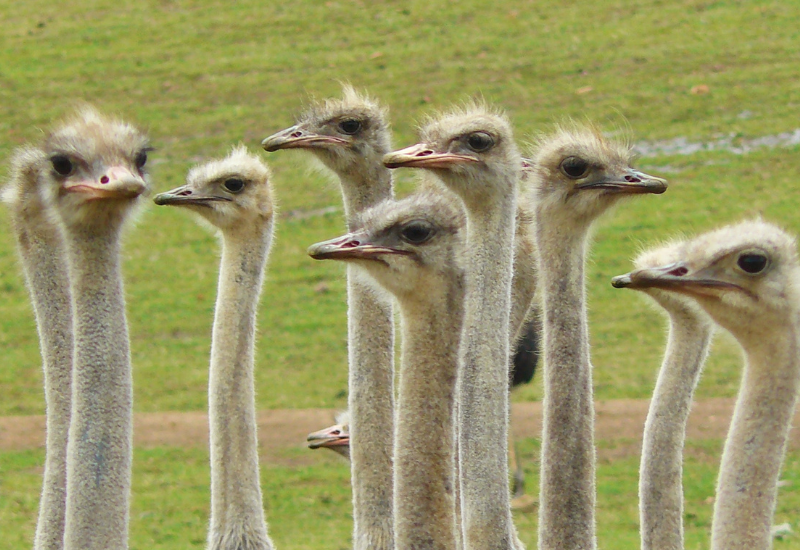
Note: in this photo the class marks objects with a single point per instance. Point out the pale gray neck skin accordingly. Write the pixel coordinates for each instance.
(424, 435)
(100, 434)
(567, 481)
(661, 469)
(41, 249)
(370, 329)
(483, 377)
(756, 443)
(237, 515)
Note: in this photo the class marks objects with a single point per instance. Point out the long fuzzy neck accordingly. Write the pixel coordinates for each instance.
(237, 515)
(363, 188)
(425, 430)
(100, 434)
(567, 486)
(370, 329)
(41, 249)
(483, 378)
(756, 443)
(660, 473)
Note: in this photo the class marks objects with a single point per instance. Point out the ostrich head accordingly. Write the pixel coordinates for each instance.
(467, 149)
(746, 276)
(579, 172)
(405, 245)
(92, 169)
(231, 193)
(346, 134)
(336, 437)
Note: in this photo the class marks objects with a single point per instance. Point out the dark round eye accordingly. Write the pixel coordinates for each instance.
(141, 159)
(752, 263)
(416, 232)
(234, 185)
(61, 164)
(480, 141)
(574, 167)
(350, 126)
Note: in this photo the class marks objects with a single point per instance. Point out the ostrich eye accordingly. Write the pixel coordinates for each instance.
(141, 159)
(480, 142)
(574, 167)
(61, 164)
(416, 232)
(350, 126)
(752, 263)
(234, 185)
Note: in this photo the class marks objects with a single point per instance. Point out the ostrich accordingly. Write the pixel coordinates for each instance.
(94, 180)
(577, 175)
(660, 473)
(411, 248)
(336, 437)
(43, 255)
(350, 136)
(234, 195)
(473, 153)
(747, 278)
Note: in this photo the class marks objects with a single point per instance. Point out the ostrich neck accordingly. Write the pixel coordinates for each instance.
(44, 262)
(756, 443)
(424, 434)
(483, 378)
(99, 448)
(660, 473)
(567, 491)
(236, 505)
(370, 327)
(364, 188)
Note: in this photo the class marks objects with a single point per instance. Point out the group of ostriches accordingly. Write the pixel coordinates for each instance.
(461, 259)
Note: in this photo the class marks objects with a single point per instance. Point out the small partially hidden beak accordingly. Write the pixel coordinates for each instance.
(329, 437)
(185, 196)
(632, 182)
(297, 138)
(353, 246)
(423, 156)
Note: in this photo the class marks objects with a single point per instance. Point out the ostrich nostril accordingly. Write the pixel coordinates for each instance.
(185, 193)
(296, 134)
(104, 180)
(425, 153)
(632, 179)
(351, 244)
(679, 271)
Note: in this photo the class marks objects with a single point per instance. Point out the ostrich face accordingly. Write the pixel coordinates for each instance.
(740, 274)
(405, 246)
(578, 172)
(343, 133)
(93, 168)
(472, 151)
(230, 193)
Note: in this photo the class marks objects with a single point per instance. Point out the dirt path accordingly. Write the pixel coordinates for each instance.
(618, 421)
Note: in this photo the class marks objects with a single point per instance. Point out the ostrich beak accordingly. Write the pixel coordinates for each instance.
(631, 182)
(297, 137)
(675, 277)
(333, 436)
(353, 246)
(116, 183)
(186, 196)
(422, 155)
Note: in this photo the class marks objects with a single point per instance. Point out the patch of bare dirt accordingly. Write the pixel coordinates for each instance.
(618, 427)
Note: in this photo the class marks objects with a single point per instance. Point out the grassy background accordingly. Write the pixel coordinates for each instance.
(204, 75)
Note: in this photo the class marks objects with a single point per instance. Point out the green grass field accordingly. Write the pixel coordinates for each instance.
(202, 76)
